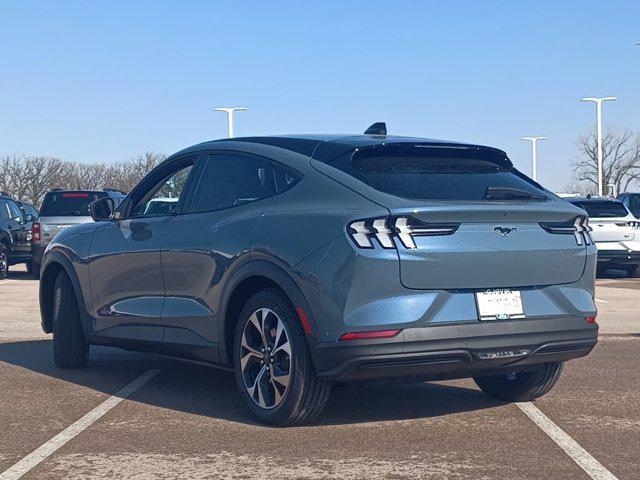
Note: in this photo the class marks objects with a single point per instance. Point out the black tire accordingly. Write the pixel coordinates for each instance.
(4, 261)
(306, 394)
(633, 271)
(35, 269)
(521, 387)
(69, 347)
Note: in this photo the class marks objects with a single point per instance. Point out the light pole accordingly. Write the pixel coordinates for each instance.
(229, 111)
(598, 102)
(534, 155)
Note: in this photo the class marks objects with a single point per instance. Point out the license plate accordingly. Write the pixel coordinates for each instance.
(499, 304)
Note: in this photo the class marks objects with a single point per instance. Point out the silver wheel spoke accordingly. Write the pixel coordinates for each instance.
(278, 395)
(285, 347)
(258, 323)
(244, 360)
(256, 385)
(281, 379)
(279, 334)
(259, 383)
(251, 352)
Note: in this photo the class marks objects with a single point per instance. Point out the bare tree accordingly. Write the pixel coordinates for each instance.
(28, 178)
(42, 173)
(621, 159)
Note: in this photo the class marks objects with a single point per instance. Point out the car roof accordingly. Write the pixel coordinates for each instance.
(592, 199)
(326, 147)
(109, 191)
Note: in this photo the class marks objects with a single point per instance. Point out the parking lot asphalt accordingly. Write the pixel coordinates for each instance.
(187, 421)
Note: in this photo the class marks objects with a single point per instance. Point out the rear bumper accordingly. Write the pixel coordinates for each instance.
(19, 257)
(37, 250)
(618, 257)
(458, 351)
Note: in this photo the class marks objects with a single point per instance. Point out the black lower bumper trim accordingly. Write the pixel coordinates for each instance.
(444, 352)
(618, 257)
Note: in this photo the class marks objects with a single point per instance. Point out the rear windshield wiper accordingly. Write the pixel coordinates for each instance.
(506, 193)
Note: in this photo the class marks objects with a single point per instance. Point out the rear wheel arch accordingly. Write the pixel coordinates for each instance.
(55, 264)
(5, 239)
(251, 278)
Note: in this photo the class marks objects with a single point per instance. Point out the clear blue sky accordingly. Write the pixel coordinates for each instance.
(102, 81)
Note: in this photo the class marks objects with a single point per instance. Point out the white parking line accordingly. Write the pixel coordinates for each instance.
(46, 449)
(579, 455)
(601, 301)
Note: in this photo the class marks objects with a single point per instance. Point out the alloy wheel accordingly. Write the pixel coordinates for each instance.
(265, 358)
(4, 263)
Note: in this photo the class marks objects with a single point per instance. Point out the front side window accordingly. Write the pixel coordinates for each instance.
(163, 198)
(437, 173)
(4, 210)
(232, 180)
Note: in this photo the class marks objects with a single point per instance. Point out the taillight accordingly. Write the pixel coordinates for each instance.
(578, 227)
(590, 319)
(405, 229)
(75, 195)
(369, 335)
(35, 232)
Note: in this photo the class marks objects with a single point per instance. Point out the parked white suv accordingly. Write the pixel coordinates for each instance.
(615, 233)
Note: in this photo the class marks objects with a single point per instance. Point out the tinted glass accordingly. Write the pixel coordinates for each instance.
(285, 178)
(4, 211)
(164, 197)
(68, 204)
(29, 209)
(634, 204)
(229, 180)
(14, 211)
(433, 173)
(603, 209)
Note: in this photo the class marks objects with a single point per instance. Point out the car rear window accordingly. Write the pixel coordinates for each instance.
(68, 204)
(432, 173)
(603, 209)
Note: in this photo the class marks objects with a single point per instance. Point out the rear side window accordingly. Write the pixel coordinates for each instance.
(436, 174)
(232, 180)
(68, 204)
(285, 178)
(603, 209)
(4, 210)
(634, 203)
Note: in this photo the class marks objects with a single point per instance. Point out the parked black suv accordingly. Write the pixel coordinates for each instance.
(15, 235)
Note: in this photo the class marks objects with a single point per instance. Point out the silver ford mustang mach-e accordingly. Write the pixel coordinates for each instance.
(301, 261)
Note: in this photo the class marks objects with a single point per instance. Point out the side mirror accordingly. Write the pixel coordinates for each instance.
(102, 209)
(29, 218)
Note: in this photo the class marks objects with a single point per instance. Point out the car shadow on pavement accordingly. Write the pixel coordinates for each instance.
(209, 392)
(19, 274)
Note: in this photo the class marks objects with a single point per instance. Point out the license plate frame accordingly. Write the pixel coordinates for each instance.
(499, 304)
